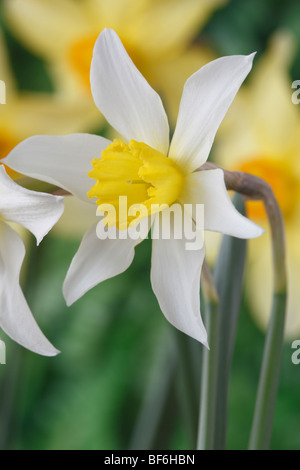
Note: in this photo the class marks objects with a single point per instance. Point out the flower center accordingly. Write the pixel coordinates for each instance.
(281, 178)
(81, 52)
(148, 179)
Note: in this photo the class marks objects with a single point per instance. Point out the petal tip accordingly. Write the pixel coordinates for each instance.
(69, 298)
(68, 301)
(59, 201)
(252, 55)
(257, 231)
(53, 353)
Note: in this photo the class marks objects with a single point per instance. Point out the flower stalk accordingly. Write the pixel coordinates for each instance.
(209, 380)
(254, 188)
(189, 383)
(231, 260)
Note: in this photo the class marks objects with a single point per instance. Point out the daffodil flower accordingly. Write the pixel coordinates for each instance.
(28, 113)
(37, 212)
(159, 36)
(266, 143)
(166, 173)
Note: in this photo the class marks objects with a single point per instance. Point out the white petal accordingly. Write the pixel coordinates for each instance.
(206, 98)
(15, 316)
(61, 160)
(220, 215)
(95, 261)
(175, 279)
(123, 95)
(37, 212)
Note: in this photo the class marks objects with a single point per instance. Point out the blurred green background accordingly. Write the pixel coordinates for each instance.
(119, 354)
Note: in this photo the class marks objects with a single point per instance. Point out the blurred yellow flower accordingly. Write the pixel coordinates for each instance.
(157, 34)
(261, 136)
(25, 114)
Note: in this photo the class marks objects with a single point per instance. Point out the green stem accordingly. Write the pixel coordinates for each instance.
(255, 188)
(269, 377)
(231, 260)
(189, 383)
(209, 379)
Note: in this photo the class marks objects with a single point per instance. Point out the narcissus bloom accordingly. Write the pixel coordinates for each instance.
(159, 36)
(27, 113)
(143, 166)
(261, 136)
(38, 213)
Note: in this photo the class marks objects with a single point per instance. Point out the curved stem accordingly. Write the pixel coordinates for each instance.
(255, 188)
